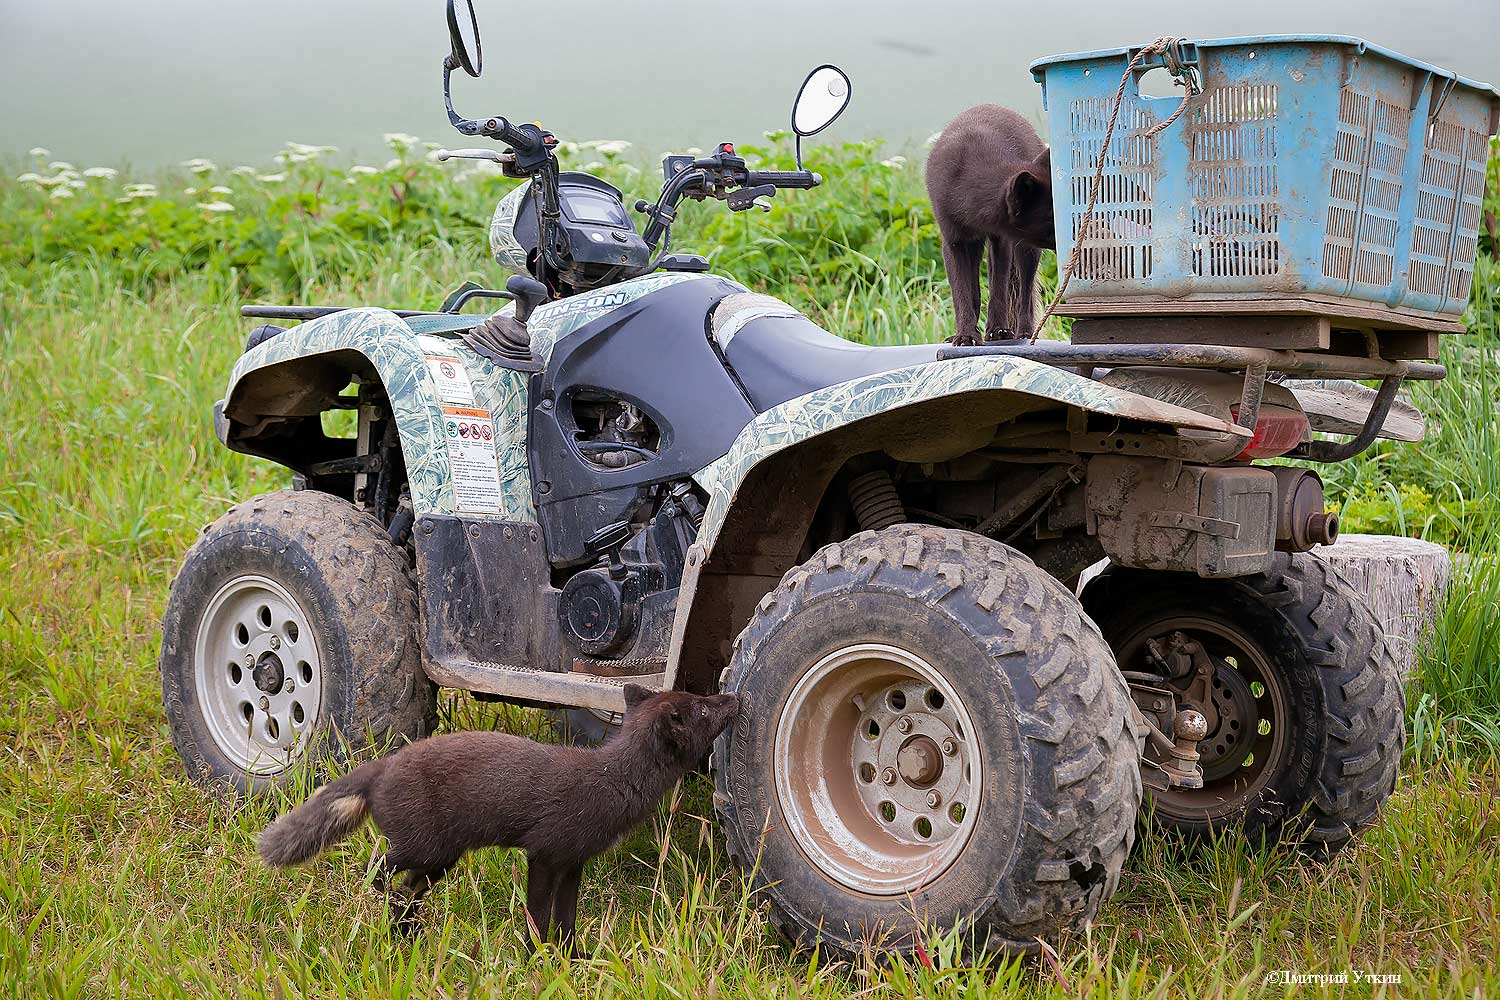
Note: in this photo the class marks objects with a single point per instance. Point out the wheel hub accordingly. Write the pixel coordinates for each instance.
(269, 673)
(877, 768)
(919, 761)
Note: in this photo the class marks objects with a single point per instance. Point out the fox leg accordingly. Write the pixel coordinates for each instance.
(415, 884)
(565, 906)
(961, 260)
(541, 889)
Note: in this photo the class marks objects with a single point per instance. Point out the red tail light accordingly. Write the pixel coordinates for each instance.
(1278, 430)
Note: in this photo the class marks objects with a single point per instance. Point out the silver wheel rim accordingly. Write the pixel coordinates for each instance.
(877, 769)
(258, 674)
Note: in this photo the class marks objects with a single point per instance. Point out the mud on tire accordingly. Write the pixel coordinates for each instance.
(355, 589)
(1055, 811)
(1346, 726)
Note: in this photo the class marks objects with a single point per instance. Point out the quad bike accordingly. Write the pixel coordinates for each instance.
(637, 471)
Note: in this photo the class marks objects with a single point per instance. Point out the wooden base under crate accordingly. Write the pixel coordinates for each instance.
(1300, 324)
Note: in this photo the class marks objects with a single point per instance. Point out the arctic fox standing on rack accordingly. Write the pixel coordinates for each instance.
(446, 795)
(989, 177)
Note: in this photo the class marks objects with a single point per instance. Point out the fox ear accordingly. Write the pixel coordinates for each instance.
(1025, 188)
(635, 694)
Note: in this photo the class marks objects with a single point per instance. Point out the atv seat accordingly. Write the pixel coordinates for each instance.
(779, 354)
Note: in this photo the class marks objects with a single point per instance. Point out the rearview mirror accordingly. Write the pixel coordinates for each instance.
(463, 32)
(823, 97)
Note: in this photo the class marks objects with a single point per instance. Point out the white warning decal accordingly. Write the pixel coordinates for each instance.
(471, 459)
(450, 379)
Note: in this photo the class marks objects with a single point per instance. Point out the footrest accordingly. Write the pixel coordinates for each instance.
(546, 686)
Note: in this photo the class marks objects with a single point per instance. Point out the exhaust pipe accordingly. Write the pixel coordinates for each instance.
(1301, 521)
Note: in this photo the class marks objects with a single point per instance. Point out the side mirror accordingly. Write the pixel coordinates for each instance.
(823, 97)
(463, 32)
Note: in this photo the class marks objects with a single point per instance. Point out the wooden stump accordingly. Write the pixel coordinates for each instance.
(1404, 580)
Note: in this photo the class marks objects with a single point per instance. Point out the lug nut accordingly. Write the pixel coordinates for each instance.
(950, 747)
(265, 703)
(249, 659)
(904, 723)
(934, 799)
(290, 687)
(888, 776)
(275, 642)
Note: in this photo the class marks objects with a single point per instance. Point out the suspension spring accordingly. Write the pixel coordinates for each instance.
(876, 503)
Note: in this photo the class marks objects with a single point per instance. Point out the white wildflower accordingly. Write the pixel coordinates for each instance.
(303, 149)
(243, 171)
(432, 155)
(593, 165)
(774, 134)
(40, 152)
(140, 188)
(934, 137)
(220, 189)
(392, 164)
(895, 162)
(567, 148)
(401, 141)
(217, 207)
(30, 178)
(62, 192)
(199, 165)
(76, 183)
(270, 178)
(364, 169)
(50, 181)
(102, 173)
(609, 147)
(432, 145)
(694, 151)
(286, 158)
(189, 191)
(60, 166)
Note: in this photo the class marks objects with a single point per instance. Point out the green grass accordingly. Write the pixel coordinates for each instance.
(120, 877)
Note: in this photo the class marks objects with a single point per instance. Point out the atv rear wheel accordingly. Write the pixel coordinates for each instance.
(290, 631)
(931, 734)
(1302, 697)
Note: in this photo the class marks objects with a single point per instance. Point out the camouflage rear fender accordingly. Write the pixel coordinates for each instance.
(400, 359)
(825, 410)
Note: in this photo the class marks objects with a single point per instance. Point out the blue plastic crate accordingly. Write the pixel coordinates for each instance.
(1319, 170)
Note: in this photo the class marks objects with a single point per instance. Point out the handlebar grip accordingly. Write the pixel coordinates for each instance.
(784, 178)
(502, 129)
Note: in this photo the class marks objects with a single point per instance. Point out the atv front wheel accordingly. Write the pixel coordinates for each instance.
(291, 629)
(1300, 691)
(931, 735)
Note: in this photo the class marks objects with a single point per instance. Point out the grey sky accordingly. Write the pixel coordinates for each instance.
(159, 80)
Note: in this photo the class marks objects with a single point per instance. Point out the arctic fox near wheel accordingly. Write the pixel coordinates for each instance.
(1300, 691)
(933, 735)
(291, 629)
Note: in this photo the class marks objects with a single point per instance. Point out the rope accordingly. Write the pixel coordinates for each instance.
(1165, 46)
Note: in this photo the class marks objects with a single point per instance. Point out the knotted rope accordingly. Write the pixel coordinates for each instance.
(1164, 45)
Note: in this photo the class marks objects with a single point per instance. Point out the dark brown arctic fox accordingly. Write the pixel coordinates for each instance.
(989, 177)
(562, 805)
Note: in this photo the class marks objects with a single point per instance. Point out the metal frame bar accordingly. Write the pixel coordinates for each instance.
(1204, 356)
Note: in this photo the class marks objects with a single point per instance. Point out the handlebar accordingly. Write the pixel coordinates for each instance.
(784, 178)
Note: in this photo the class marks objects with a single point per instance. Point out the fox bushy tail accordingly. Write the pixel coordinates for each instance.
(334, 812)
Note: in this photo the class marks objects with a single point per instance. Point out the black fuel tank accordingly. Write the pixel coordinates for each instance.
(656, 354)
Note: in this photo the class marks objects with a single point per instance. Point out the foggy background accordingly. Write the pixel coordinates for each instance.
(157, 81)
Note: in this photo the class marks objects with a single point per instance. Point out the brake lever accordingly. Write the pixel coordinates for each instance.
(747, 197)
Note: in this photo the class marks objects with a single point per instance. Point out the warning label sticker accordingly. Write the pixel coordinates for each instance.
(450, 379)
(471, 458)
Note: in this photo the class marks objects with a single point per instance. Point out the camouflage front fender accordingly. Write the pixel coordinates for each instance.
(264, 378)
(837, 406)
